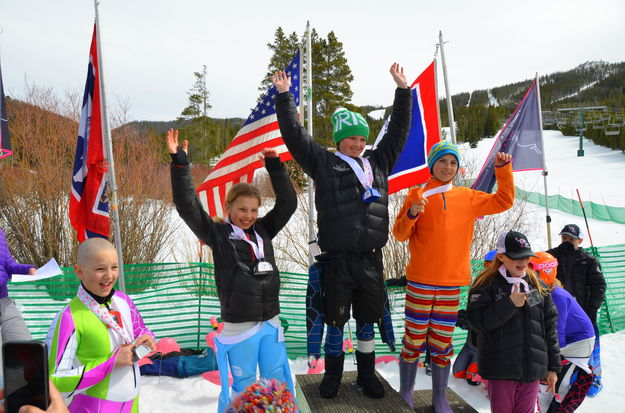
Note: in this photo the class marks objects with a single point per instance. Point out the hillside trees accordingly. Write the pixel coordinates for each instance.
(207, 137)
(34, 196)
(331, 75)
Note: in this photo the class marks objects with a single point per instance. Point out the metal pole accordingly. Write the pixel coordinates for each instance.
(580, 151)
(309, 124)
(545, 172)
(450, 108)
(108, 144)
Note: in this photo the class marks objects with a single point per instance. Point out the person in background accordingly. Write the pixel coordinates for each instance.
(580, 274)
(465, 365)
(576, 337)
(13, 327)
(517, 321)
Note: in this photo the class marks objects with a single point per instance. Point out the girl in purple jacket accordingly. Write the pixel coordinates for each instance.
(576, 337)
(11, 321)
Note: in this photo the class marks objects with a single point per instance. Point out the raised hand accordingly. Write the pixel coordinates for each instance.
(172, 142)
(517, 297)
(281, 81)
(502, 158)
(418, 207)
(270, 153)
(398, 76)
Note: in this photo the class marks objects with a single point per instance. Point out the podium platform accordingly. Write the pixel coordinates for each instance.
(352, 400)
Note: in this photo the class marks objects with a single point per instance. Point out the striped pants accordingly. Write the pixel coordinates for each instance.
(431, 314)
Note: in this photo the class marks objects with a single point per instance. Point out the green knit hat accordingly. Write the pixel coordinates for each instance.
(347, 123)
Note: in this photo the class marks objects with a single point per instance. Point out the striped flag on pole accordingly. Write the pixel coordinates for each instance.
(240, 159)
(5, 142)
(411, 167)
(521, 137)
(88, 203)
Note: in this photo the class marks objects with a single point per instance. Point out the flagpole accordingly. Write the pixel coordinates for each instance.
(450, 108)
(108, 144)
(545, 172)
(309, 125)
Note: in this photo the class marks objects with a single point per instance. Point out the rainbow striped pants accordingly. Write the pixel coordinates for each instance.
(431, 313)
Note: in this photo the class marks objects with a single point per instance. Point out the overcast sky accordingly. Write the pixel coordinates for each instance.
(152, 47)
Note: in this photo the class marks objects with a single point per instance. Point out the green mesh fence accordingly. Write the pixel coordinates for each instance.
(572, 207)
(178, 300)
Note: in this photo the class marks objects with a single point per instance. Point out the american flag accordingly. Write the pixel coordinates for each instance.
(88, 204)
(240, 159)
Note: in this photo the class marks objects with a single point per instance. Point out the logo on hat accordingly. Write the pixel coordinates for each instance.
(522, 242)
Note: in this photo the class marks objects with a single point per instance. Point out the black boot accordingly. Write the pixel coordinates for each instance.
(329, 386)
(366, 375)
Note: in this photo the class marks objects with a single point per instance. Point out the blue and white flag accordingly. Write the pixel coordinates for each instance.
(521, 137)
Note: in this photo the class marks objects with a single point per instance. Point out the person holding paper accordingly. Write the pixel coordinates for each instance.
(11, 321)
(437, 220)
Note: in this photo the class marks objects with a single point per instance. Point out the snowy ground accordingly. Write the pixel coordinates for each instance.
(599, 175)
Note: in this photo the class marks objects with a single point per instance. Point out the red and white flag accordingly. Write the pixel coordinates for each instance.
(88, 203)
(240, 159)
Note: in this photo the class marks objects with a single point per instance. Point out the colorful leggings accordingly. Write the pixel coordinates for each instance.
(431, 313)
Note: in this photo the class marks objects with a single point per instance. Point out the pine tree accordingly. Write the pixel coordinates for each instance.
(198, 97)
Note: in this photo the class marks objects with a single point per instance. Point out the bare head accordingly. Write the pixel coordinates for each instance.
(97, 265)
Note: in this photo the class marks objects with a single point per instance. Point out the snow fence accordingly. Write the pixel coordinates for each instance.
(178, 300)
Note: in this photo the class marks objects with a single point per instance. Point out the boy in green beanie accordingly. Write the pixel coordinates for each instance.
(351, 198)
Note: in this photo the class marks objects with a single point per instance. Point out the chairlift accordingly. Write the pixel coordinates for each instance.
(612, 129)
(598, 125)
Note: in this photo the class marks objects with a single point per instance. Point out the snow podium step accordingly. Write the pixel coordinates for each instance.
(351, 399)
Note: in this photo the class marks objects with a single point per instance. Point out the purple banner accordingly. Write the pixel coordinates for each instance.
(520, 137)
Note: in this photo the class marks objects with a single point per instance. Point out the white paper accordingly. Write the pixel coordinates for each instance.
(50, 269)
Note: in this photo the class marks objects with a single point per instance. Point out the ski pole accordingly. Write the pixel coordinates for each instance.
(585, 218)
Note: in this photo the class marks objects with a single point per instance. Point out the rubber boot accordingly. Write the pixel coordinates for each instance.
(440, 378)
(367, 379)
(329, 386)
(407, 375)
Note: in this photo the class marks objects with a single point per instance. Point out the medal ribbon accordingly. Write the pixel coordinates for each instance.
(437, 190)
(103, 315)
(365, 176)
(258, 250)
(513, 280)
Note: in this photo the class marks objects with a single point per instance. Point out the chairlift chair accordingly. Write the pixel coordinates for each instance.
(597, 125)
(612, 129)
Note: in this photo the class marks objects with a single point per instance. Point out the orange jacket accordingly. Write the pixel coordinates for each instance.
(440, 237)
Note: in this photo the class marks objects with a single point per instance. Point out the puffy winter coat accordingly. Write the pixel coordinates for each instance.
(573, 323)
(580, 274)
(243, 296)
(8, 266)
(346, 223)
(514, 343)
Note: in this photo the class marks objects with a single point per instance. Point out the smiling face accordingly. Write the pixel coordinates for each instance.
(445, 168)
(352, 146)
(98, 271)
(243, 211)
(516, 268)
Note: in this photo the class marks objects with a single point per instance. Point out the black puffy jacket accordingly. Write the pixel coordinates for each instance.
(580, 274)
(514, 343)
(242, 295)
(346, 223)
